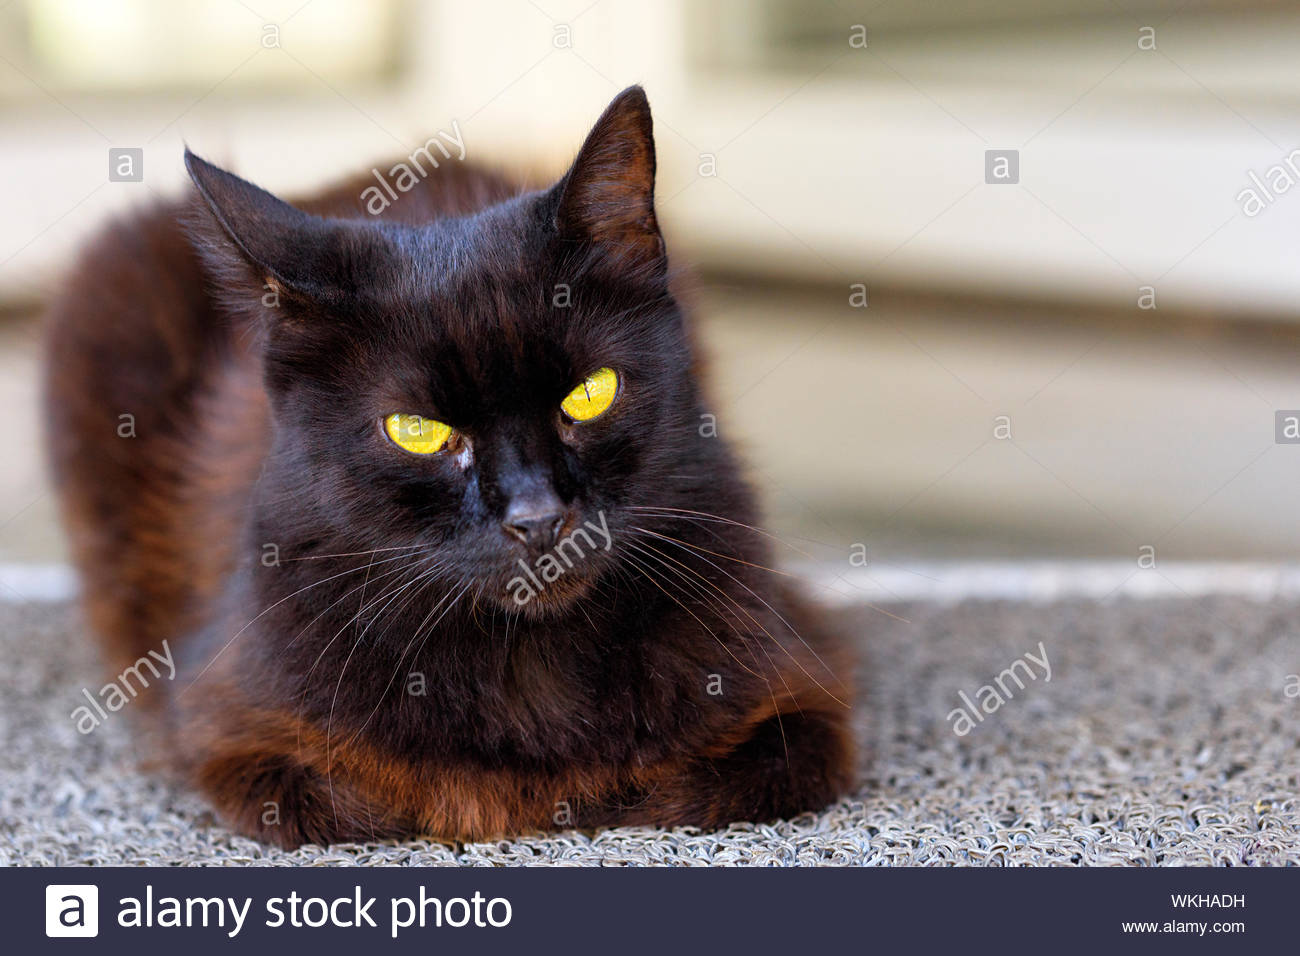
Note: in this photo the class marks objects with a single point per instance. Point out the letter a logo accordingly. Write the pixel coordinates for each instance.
(71, 910)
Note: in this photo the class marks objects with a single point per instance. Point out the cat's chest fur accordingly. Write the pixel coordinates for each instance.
(626, 679)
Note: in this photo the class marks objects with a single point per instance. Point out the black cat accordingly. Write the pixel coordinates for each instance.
(423, 503)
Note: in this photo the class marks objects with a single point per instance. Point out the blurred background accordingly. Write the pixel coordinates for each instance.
(981, 279)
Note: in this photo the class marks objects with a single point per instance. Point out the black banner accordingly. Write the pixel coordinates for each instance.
(629, 911)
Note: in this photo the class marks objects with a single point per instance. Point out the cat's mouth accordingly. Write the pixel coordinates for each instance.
(542, 591)
(551, 581)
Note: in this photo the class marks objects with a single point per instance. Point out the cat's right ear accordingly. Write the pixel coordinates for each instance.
(287, 247)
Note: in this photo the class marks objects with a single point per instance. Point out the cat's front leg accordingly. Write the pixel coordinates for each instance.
(788, 764)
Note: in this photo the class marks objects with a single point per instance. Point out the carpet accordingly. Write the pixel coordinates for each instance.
(1167, 734)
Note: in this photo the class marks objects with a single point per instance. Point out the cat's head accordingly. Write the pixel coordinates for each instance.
(494, 387)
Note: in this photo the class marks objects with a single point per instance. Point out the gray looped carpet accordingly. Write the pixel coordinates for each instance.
(1169, 733)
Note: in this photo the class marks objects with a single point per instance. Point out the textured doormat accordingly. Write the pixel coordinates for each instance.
(1168, 734)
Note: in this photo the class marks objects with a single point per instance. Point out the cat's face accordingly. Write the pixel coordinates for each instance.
(493, 392)
(439, 415)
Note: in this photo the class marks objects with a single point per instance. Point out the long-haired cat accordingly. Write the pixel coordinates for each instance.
(422, 504)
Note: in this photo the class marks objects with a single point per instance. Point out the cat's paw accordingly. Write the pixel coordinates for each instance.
(277, 800)
(790, 764)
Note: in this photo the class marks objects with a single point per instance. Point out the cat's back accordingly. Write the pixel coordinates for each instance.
(132, 336)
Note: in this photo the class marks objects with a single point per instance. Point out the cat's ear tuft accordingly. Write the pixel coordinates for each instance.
(607, 196)
(282, 243)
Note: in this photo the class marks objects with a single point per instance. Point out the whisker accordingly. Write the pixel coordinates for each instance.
(779, 617)
(769, 634)
(414, 635)
(728, 557)
(704, 517)
(270, 608)
(394, 590)
(329, 724)
(670, 512)
(664, 511)
(650, 577)
(760, 567)
(353, 554)
(686, 576)
(340, 599)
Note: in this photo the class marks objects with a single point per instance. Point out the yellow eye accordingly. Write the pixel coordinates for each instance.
(593, 396)
(421, 436)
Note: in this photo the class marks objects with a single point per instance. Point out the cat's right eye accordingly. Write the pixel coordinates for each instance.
(416, 434)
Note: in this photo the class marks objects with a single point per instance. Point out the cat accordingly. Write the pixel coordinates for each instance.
(423, 503)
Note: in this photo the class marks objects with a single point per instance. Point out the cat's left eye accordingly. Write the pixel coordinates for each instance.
(593, 397)
(416, 434)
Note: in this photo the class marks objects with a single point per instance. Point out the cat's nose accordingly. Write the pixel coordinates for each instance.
(536, 521)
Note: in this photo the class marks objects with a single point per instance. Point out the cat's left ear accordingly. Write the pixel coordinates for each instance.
(607, 196)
